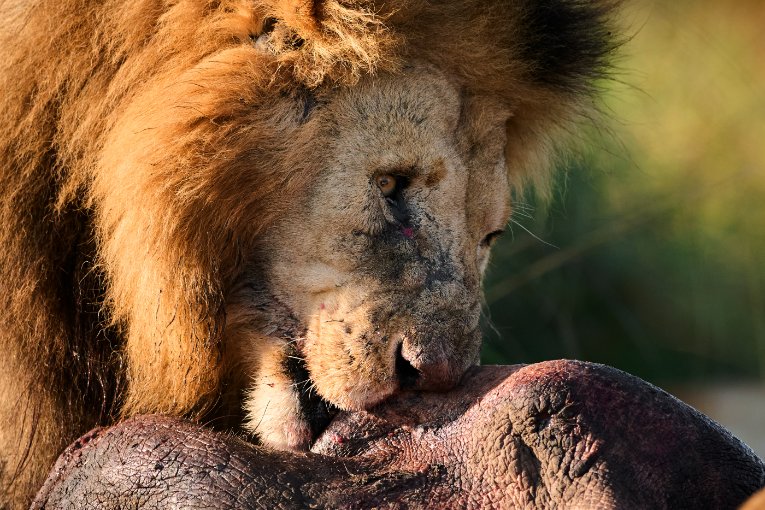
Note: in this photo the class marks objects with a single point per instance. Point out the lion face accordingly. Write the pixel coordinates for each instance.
(381, 264)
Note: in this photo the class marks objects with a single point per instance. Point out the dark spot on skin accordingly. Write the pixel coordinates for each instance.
(439, 268)
(436, 175)
(439, 274)
(348, 329)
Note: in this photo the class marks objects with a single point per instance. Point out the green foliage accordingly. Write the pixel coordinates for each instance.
(659, 231)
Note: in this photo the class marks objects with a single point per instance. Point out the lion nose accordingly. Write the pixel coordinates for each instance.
(421, 370)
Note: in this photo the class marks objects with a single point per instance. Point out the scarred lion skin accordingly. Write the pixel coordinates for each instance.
(250, 212)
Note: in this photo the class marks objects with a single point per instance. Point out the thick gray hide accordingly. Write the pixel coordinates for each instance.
(560, 434)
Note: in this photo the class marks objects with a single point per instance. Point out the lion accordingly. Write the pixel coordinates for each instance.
(251, 213)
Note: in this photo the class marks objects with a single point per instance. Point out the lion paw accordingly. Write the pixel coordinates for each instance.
(283, 409)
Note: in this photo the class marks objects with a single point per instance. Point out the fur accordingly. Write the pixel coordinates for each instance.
(153, 152)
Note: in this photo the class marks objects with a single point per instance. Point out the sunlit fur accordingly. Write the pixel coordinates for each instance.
(187, 196)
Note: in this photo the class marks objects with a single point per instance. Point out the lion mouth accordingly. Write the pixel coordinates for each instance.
(319, 412)
(400, 376)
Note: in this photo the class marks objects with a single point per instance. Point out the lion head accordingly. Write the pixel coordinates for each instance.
(380, 262)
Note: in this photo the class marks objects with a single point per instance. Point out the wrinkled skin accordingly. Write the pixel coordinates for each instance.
(558, 434)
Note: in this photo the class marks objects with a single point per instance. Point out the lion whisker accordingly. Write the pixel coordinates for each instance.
(532, 234)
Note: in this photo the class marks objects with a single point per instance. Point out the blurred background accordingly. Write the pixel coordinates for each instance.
(651, 255)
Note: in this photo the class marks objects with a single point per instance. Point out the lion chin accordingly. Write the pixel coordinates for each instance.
(252, 213)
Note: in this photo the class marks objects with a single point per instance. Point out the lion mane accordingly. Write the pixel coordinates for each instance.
(115, 274)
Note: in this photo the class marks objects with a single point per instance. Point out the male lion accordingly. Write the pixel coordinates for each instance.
(287, 204)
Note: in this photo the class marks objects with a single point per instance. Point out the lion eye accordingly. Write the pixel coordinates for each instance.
(387, 184)
(491, 237)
